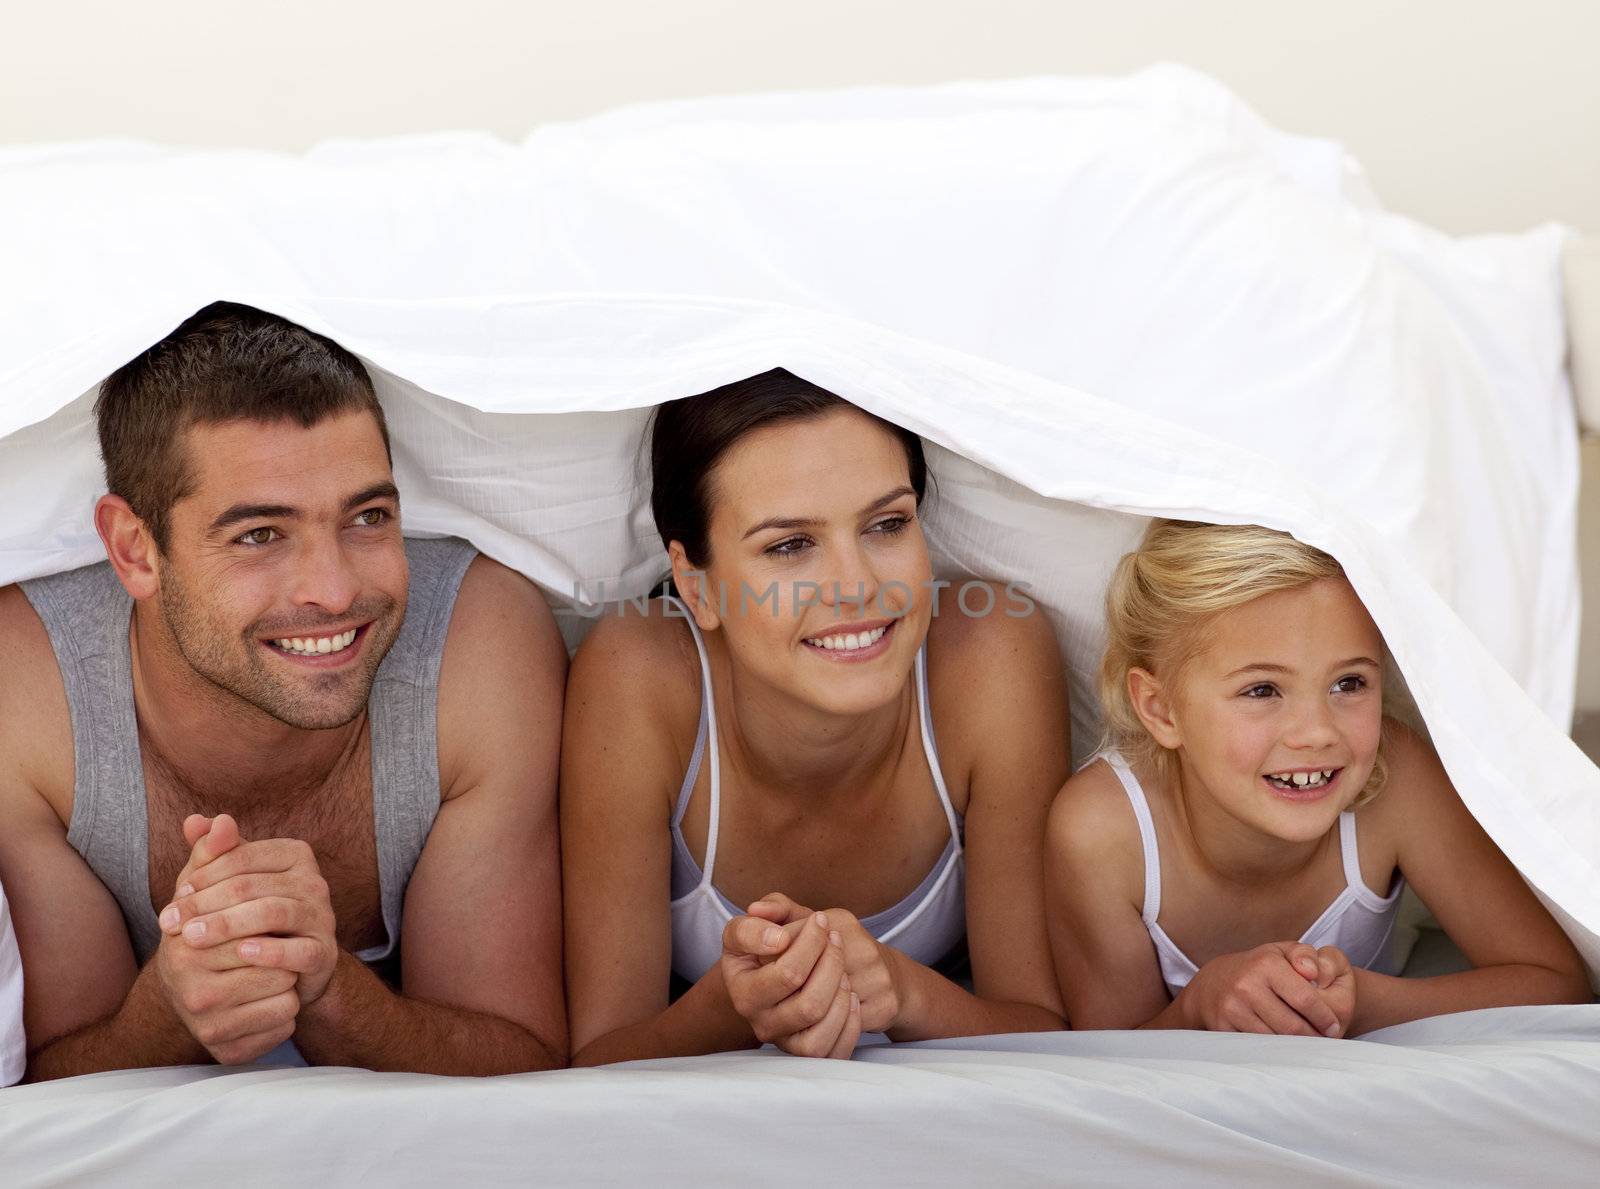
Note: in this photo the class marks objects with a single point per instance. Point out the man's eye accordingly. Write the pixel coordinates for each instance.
(1352, 684)
(258, 536)
(1263, 690)
(372, 517)
(788, 547)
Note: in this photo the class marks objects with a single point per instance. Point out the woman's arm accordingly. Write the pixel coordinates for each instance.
(999, 694)
(618, 776)
(1519, 954)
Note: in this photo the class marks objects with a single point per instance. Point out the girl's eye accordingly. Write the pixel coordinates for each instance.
(372, 517)
(788, 547)
(1351, 684)
(258, 536)
(1264, 690)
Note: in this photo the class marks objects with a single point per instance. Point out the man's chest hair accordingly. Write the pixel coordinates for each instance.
(335, 818)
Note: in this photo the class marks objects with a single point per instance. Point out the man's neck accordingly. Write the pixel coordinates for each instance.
(230, 754)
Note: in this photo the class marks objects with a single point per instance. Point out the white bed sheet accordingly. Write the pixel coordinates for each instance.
(1500, 1097)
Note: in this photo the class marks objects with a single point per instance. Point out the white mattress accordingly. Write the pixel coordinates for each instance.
(1507, 1097)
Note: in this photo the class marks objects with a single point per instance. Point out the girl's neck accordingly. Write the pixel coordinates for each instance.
(1232, 850)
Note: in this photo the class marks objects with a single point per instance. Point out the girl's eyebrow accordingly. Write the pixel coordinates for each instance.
(1269, 667)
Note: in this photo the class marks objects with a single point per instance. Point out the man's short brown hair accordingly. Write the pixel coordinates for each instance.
(226, 363)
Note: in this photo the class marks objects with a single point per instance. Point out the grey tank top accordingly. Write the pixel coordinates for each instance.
(86, 613)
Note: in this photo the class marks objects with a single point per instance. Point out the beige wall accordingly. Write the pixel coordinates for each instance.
(1474, 115)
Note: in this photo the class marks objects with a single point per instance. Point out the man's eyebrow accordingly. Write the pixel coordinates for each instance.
(241, 512)
(378, 491)
(808, 522)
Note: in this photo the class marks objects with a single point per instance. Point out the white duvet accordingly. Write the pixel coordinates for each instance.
(1098, 300)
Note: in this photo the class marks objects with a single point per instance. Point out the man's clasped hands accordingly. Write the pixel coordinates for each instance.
(248, 942)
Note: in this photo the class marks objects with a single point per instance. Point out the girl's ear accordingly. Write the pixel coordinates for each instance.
(695, 589)
(1153, 704)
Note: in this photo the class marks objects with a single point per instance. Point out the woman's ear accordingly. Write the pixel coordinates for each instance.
(1152, 702)
(694, 588)
(129, 546)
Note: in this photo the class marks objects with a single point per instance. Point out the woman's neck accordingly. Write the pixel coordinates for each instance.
(793, 749)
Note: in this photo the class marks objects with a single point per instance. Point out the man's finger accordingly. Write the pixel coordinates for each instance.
(265, 855)
(270, 914)
(299, 954)
(195, 827)
(220, 839)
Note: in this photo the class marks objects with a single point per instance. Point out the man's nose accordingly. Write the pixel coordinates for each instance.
(323, 577)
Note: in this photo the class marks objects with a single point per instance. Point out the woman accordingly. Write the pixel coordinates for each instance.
(813, 729)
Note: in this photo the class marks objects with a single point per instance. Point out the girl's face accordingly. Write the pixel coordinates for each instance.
(818, 571)
(1278, 715)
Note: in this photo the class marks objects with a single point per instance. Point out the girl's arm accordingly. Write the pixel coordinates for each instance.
(1110, 975)
(1518, 952)
(619, 772)
(1104, 959)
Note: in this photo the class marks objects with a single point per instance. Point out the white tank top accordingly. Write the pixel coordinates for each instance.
(926, 926)
(1359, 921)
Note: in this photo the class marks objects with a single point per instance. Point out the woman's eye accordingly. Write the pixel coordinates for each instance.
(1263, 690)
(891, 525)
(372, 517)
(1352, 684)
(258, 536)
(788, 547)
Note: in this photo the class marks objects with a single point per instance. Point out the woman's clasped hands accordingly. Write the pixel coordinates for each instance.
(809, 982)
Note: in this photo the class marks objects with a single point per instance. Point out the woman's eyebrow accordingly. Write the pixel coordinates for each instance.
(812, 521)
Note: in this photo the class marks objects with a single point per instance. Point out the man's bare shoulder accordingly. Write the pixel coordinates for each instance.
(36, 750)
(501, 677)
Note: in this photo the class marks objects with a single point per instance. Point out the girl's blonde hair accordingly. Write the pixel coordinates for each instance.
(1163, 594)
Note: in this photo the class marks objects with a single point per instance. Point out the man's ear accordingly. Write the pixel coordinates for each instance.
(1152, 702)
(129, 546)
(694, 588)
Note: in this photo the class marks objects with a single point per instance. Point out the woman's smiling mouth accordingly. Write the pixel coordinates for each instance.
(855, 642)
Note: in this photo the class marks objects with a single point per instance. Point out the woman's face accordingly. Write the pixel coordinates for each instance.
(818, 571)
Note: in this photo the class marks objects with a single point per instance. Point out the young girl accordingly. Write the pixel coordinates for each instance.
(1235, 859)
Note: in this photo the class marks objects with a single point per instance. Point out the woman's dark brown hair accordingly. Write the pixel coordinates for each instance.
(689, 436)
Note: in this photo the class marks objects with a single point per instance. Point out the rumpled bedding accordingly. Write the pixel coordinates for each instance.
(1502, 1097)
(1098, 300)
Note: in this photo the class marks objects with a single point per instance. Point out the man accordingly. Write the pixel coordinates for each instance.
(272, 771)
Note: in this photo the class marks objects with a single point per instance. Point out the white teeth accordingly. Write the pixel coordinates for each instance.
(1303, 780)
(849, 642)
(317, 646)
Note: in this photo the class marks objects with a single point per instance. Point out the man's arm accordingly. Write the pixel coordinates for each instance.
(87, 1007)
(481, 941)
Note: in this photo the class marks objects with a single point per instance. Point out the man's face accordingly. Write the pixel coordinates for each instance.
(284, 578)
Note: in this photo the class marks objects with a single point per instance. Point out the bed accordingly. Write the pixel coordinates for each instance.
(609, 265)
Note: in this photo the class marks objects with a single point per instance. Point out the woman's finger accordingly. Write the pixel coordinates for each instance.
(851, 1035)
(820, 1038)
(810, 1003)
